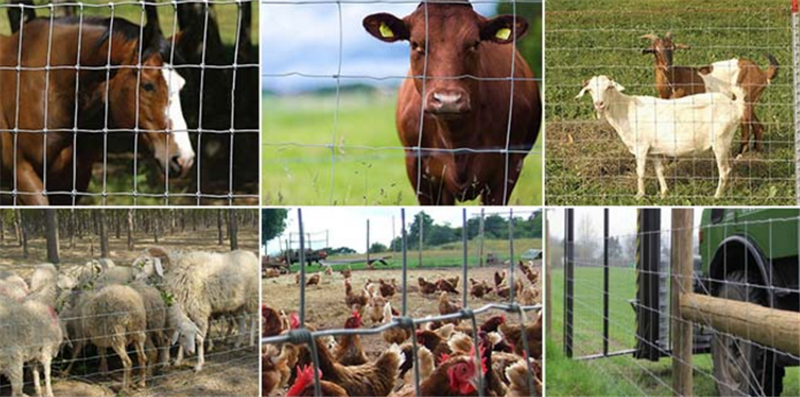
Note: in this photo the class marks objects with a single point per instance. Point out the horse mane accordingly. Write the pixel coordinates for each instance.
(124, 29)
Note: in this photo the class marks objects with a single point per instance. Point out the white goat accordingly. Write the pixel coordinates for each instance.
(658, 128)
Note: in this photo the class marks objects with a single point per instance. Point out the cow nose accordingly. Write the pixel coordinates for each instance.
(448, 102)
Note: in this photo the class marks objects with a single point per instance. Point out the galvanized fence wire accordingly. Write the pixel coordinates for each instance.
(418, 152)
(587, 160)
(718, 261)
(304, 336)
(54, 181)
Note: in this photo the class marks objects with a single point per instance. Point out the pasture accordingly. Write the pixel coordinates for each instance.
(621, 375)
(326, 309)
(365, 166)
(587, 163)
(228, 370)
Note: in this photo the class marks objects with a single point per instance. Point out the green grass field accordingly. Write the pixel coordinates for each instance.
(368, 163)
(587, 164)
(622, 375)
(446, 255)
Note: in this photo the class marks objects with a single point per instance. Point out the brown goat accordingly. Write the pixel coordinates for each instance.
(679, 81)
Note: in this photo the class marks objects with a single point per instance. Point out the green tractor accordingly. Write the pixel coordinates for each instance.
(749, 255)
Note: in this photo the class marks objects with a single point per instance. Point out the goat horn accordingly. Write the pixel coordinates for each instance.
(649, 36)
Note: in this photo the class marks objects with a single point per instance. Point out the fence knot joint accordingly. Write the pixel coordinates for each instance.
(300, 336)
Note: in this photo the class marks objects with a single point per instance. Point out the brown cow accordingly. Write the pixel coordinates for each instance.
(466, 61)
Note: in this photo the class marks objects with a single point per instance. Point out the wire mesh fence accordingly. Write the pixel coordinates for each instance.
(313, 343)
(683, 52)
(328, 131)
(128, 102)
(627, 297)
(67, 321)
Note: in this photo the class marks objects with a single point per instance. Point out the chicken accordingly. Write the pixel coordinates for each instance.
(504, 291)
(435, 343)
(297, 278)
(529, 296)
(347, 272)
(499, 277)
(393, 335)
(455, 376)
(354, 300)
(372, 287)
(271, 273)
(426, 287)
(478, 289)
(375, 307)
(371, 266)
(313, 280)
(533, 334)
(447, 307)
(426, 366)
(517, 376)
(524, 268)
(372, 379)
(387, 290)
(328, 271)
(349, 351)
(454, 281)
(304, 385)
(446, 286)
(271, 323)
(489, 325)
(275, 372)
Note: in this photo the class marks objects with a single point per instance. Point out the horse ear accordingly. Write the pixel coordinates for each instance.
(152, 35)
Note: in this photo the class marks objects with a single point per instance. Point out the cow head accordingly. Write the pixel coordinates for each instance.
(446, 49)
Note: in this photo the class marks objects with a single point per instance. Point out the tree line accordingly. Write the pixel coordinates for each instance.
(67, 226)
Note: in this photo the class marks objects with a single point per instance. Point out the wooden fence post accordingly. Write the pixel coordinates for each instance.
(681, 257)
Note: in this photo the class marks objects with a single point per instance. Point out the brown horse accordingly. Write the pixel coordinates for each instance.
(54, 115)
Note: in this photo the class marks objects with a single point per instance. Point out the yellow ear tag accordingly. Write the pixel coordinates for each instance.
(503, 34)
(385, 30)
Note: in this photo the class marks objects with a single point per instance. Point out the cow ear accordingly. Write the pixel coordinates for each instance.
(501, 29)
(386, 27)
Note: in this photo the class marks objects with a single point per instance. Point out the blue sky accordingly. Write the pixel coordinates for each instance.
(305, 38)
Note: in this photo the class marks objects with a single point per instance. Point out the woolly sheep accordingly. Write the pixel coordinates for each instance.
(47, 285)
(29, 332)
(207, 284)
(115, 317)
(158, 326)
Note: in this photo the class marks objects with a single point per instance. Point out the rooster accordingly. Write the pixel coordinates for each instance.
(313, 280)
(387, 290)
(447, 307)
(349, 351)
(304, 385)
(375, 307)
(478, 290)
(346, 273)
(372, 379)
(455, 376)
(275, 372)
(393, 335)
(517, 375)
(533, 334)
(354, 301)
(426, 287)
(446, 286)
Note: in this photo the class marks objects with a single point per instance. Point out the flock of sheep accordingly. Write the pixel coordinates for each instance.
(698, 110)
(163, 298)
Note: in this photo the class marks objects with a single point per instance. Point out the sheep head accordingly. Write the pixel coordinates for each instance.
(186, 331)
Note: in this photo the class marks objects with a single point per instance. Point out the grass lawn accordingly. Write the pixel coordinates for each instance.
(622, 375)
(587, 164)
(367, 166)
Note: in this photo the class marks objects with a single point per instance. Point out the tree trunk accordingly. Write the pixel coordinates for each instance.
(130, 229)
(72, 231)
(117, 224)
(156, 222)
(103, 232)
(22, 233)
(219, 227)
(2, 228)
(52, 236)
(233, 230)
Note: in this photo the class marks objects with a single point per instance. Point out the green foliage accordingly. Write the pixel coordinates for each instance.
(378, 248)
(273, 221)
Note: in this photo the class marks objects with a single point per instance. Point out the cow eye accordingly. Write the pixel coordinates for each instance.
(150, 87)
(474, 46)
(416, 47)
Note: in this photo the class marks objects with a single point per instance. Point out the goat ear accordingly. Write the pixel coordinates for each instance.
(175, 336)
(583, 90)
(386, 27)
(617, 86)
(503, 29)
(649, 36)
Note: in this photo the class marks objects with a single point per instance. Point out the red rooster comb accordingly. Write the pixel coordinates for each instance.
(484, 369)
(357, 316)
(305, 376)
(444, 357)
(294, 321)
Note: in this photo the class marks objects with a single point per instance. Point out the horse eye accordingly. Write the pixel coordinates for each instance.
(149, 87)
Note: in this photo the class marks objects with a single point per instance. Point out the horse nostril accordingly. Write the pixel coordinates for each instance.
(175, 165)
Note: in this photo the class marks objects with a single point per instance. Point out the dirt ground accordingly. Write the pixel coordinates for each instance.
(228, 371)
(325, 307)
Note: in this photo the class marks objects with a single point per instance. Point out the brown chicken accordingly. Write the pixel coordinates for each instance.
(529, 296)
(426, 287)
(354, 300)
(304, 385)
(533, 334)
(478, 289)
(313, 280)
(446, 286)
(455, 376)
(453, 281)
(375, 307)
(393, 335)
(275, 372)
(349, 350)
(426, 365)
(517, 376)
(499, 277)
(271, 324)
(447, 307)
(505, 292)
(387, 290)
(272, 273)
(435, 343)
(347, 272)
(328, 271)
(372, 379)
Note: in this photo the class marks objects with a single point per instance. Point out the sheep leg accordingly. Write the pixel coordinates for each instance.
(101, 351)
(37, 380)
(641, 162)
(127, 364)
(179, 357)
(152, 353)
(724, 168)
(15, 374)
(242, 330)
(46, 363)
(142, 358)
(200, 355)
(253, 329)
(659, 166)
(75, 351)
